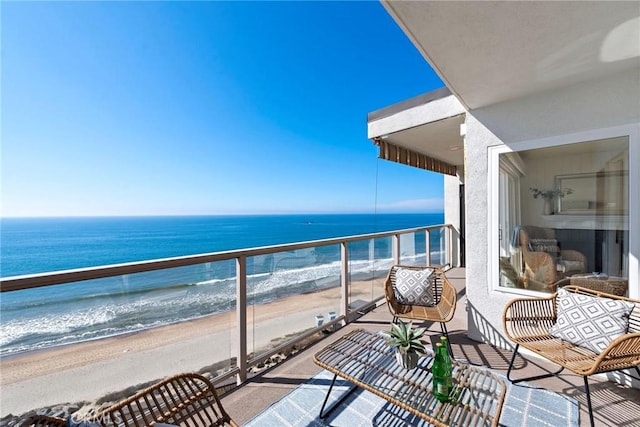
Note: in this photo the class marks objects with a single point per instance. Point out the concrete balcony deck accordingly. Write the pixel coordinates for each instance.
(613, 404)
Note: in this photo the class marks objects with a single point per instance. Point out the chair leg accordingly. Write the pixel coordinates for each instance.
(443, 327)
(586, 389)
(395, 319)
(588, 393)
(536, 377)
(513, 358)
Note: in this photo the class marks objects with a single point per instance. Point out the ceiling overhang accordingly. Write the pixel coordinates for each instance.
(489, 52)
(422, 132)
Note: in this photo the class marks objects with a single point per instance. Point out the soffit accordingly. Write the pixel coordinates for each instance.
(428, 124)
(440, 140)
(488, 52)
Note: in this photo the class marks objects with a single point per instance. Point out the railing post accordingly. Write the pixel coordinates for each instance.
(241, 317)
(344, 281)
(449, 246)
(396, 248)
(427, 244)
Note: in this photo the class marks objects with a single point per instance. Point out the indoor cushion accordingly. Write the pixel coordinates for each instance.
(549, 246)
(566, 266)
(414, 287)
(590, 322)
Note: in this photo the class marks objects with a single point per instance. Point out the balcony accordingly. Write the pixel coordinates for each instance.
(117, 364)
(614, 405)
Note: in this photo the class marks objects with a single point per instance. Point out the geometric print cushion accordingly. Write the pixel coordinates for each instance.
(414, 287)
(590, 322)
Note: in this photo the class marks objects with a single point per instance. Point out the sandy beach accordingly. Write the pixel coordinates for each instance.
(90, 370)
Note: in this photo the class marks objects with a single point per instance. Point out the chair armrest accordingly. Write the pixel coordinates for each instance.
(527, 317)
(622, 353)
(448, 297)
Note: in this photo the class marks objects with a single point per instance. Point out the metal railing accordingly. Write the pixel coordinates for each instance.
(348, 310)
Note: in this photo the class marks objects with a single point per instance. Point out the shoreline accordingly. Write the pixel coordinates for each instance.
(90, 370)
(15, 368)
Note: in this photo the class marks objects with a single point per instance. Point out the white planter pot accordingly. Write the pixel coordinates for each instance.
(407, 360)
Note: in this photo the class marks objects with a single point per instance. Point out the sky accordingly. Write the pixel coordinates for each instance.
(204, 108)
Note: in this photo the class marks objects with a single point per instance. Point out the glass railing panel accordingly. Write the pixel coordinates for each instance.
(438, 246)
(413, 249)
(369, 263)
(290, 293)
(186, 316)
(158, 323)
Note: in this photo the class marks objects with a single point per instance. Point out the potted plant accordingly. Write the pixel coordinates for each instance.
(548, 196)
(407, 343)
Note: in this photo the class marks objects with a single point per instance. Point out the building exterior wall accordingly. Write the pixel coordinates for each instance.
(583, 108)
(452, 211)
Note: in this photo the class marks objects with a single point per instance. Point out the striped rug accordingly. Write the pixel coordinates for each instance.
(524, 405)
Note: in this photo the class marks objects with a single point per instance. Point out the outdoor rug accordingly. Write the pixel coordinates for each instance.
(524, 405)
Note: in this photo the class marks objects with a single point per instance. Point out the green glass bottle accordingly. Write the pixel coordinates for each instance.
(441, 375)
(445, 344)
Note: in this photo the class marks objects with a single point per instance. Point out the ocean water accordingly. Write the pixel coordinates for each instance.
(55, 315)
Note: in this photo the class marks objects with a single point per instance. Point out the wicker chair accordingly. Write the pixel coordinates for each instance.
(445, 299)
(185, 399)
(45, 421)
(541, 268)
(526, 321)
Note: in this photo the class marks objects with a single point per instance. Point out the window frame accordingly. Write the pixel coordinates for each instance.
(632, 132)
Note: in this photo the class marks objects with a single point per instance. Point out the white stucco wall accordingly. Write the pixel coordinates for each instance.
(576, 109)
(452, 211)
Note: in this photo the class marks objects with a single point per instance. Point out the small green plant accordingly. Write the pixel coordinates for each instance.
(550, 194)
(406, 339)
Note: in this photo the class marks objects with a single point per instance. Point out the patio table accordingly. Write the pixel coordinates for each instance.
(364, 359)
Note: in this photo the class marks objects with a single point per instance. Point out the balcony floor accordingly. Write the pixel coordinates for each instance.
(614, 405)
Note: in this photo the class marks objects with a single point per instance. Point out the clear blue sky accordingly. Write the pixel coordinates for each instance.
(162, 108)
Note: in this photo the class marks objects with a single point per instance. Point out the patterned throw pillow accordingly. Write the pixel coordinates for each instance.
(414, 287)
(590, 322)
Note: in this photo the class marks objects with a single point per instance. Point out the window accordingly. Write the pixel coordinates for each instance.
(564, 216)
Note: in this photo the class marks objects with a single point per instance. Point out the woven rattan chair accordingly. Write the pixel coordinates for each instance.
(527, 321)
(445, 299)
(185, 399)
(610, 285)
(541, 268)
(45, 421)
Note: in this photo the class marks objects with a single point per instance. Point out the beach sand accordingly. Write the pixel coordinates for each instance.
(87, 371)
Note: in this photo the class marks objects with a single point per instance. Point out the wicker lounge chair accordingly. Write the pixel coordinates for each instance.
(527, 321)
(184, 399)
(445, 299)
(541, 261)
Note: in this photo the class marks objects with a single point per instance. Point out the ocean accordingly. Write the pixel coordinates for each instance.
(63, 314)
